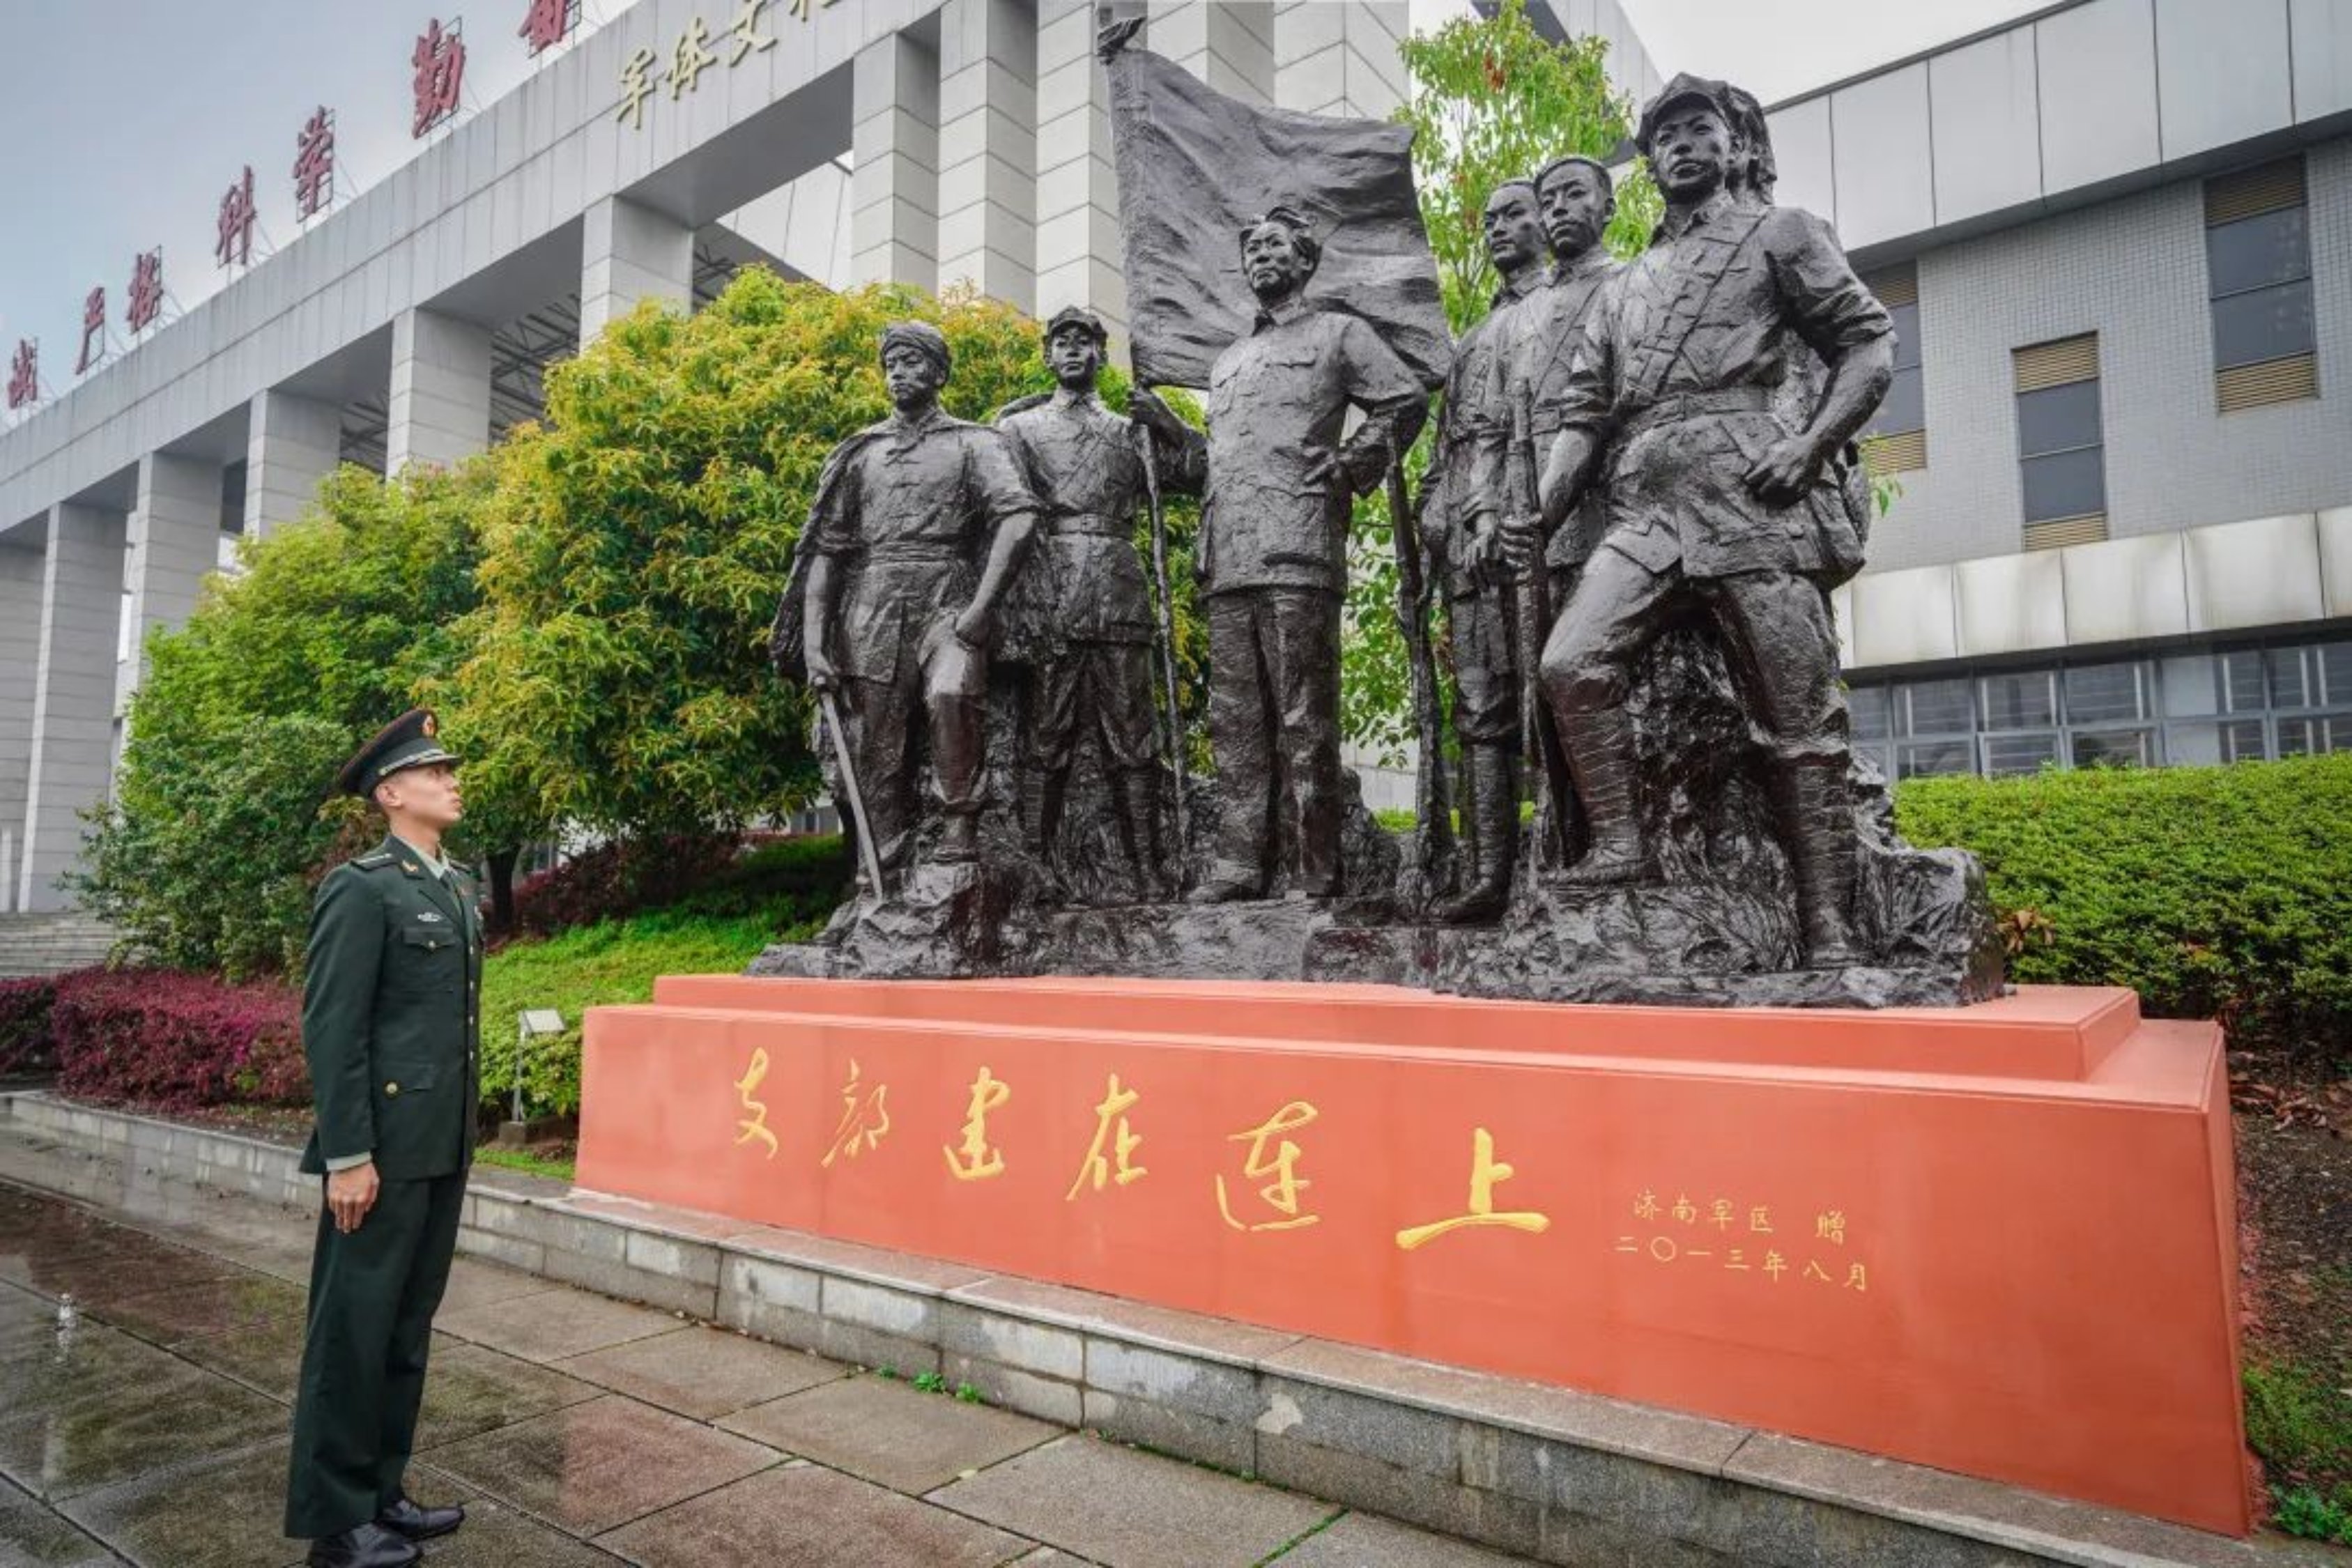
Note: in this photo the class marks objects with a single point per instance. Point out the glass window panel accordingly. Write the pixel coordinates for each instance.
(2269, 323)
(2026, 700)
(2058, 419)
(2191, 745)
(1934, 708)
(1906, 408)
(1923, 757)
(1867, 704)
(2098, 693)
(2335, 674)
(2113, 748)
(2297, 736)
(2072, 484)
(2242, 680)
(2288, 686)
(2190, 686)
(1906, 331)
(2008, 754)
(2269, 248)
(2243, 741)
(2339, 733)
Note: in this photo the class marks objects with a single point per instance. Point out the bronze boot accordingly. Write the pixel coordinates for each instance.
(1600, 760)
(1817, 825)
(1493, 819)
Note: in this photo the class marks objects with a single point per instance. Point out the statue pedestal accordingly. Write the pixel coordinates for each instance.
(1999, 1240)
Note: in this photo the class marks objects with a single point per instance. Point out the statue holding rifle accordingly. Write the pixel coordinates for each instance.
(1099, 618)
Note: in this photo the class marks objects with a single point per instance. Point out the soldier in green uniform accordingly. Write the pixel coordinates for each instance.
(389, 1021)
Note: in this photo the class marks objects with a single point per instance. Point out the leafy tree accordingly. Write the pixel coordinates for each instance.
(220, 816)
(1492, 100)
(617, 674)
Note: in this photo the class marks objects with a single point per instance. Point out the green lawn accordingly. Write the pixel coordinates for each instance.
(612, 962)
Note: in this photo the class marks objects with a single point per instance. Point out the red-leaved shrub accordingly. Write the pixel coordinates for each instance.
(26, 1042)
(616, 879)
(175, 1041)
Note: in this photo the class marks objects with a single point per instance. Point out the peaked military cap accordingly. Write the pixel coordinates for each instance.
(411, 740)
(1078, 315)
(1720, 96)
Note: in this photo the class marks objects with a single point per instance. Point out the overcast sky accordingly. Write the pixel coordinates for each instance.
(129, 119)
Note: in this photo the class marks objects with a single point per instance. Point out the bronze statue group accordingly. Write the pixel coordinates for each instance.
(1619, 450)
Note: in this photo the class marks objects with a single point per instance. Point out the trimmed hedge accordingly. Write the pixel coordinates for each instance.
(2216, 892)
(170, 1041)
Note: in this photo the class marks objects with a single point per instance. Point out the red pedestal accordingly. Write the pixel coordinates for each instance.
(1999, 1240)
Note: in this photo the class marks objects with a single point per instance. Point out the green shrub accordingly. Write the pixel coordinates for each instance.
(2216, 892)
(616, 961)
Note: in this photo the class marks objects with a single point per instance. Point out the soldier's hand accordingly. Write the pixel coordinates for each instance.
(1484, 560)
(1320, 467)
(351, 1194)
(821, 676)
(1144, 406)
(972, 626)
(1522, 538)
(1785, 472)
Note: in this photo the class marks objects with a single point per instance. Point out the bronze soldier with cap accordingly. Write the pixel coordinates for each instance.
(1713, 498)
(390, 1015)
(1088, 580)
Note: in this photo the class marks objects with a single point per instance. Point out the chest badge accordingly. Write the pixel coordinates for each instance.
(427, 916)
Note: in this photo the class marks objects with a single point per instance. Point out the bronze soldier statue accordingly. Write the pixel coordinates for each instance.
(1461, 526)
(1095, 674)
(1713, 497)
(1272, 559)
(918, 525)
(1578, 199)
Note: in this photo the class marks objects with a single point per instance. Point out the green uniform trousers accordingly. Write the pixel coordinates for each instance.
(372, 1295)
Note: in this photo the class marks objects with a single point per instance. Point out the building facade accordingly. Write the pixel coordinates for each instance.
(2117, 236)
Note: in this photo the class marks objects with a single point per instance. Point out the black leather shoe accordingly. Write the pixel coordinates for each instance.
(365, 1546)
(419, 1524)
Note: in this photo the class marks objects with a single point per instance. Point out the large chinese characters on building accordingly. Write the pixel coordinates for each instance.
(1643, 492)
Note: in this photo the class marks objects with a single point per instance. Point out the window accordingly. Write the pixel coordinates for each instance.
(2238, 704)
(2258, 272)
(2060, 444)
(1896, 435)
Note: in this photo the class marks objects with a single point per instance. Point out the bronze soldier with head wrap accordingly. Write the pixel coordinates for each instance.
(918, 525)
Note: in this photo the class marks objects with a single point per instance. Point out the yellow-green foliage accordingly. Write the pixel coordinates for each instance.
(635, 546)
(2217, 892)
(616, 961)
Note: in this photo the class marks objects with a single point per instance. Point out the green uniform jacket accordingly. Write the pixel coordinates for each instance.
(391, 1012)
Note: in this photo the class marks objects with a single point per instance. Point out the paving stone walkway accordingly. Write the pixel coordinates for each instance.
(147, 1424)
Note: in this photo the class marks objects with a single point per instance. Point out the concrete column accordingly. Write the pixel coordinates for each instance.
(988, 148)
(22, 560)
(174, 539)
(895, 149)
(291, 443)
(1078, 255)
(72, 754)
(1229, 44)
(1339, 56)
(440, 401)
(629, 253)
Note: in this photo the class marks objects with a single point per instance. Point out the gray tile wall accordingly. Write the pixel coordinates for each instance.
(2133, 270)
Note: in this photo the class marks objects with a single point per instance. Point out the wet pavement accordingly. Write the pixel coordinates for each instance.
(146, 1422)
